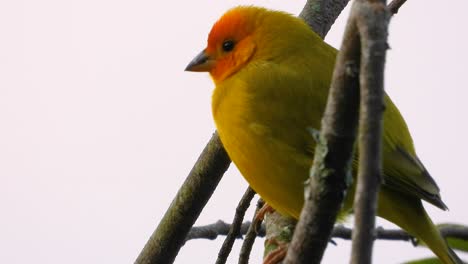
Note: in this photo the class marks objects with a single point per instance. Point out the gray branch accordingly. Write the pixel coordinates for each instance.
(371, 19)
(234, 231)
(321, 14)
(395, 5)
(332, 160)
(250, 236)
(322, 203)
(221, 228)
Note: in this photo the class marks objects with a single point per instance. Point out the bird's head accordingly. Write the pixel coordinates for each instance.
(247, 33)
(230, 44)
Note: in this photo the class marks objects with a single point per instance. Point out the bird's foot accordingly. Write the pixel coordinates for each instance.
(277, 255)
(260, 215)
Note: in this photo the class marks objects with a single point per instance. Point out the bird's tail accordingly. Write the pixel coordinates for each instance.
(408, 212)
(434, 240)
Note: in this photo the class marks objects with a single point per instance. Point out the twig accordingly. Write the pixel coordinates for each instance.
(164, 244)
(380, 233)
(321, 14)
(220, 228)
(395, 5)
(371, 18)
(243, 205)
(250, 236)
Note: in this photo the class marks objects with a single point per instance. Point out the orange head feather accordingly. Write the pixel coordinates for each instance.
(230, 42)
(246, 33)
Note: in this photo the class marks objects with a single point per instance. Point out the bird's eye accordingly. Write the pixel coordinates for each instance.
(228, 45)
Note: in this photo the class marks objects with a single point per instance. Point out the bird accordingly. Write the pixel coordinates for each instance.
(272, 75)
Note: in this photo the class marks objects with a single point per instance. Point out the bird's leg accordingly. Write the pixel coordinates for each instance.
(279, 231)
(277, 255)
(260, 215)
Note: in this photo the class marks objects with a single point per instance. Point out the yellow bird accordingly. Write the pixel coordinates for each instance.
(272, 76)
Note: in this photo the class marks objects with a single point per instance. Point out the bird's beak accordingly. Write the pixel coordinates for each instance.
(201, 63)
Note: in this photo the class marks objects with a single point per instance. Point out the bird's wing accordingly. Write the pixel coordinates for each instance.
(290, 103)
(402, 169)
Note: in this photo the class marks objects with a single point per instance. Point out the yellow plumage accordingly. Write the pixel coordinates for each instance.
(272, 75)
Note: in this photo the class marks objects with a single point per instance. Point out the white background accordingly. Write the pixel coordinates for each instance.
(99, 124)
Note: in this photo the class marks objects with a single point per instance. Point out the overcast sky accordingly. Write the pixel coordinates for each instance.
(99, 124)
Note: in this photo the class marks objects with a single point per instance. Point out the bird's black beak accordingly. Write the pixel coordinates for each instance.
(201, 63)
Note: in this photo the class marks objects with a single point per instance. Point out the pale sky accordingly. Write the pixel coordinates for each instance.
(99, 124)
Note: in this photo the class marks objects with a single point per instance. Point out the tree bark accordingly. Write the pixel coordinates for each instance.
(371, 18)
(330, 172)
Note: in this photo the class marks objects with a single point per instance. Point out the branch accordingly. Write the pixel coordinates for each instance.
(221, 228)
(321, 14)
(250, 236)
(371, 18)
(395, 5)
(164, 244)
(328, 175)
(332, 161)
(234, 231)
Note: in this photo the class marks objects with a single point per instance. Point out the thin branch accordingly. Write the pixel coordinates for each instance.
(371, 18)
(309, 243)
(395, 5)
(221, 228)
(243, 205)
(250, 236)
(321, 14)
(164, 244)
(380, 233)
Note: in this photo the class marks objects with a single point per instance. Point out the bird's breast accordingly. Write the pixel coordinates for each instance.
(274, 169)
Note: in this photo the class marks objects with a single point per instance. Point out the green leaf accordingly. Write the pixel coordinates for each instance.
(455, 243)
(424, 261)
(458, 244)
